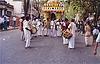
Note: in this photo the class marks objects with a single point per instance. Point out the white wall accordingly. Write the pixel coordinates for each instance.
(17, 6)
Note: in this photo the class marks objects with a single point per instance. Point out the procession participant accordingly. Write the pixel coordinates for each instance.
(27, 32)
(96, 45)
(52, 24)
(45, 30)
(48, 26)
(55, 28)
(65, 24)
(38, 27)
(14, 22)
(8, 21)
(72, 27)
(21, 27)
(5, 22)
(95, 33)
(58, 28)
(88, 35)
(34, 23)
(41, 27)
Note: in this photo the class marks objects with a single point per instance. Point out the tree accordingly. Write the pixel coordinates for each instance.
(26, 6)
(84, 6)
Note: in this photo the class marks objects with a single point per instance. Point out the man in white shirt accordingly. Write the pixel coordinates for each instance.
(95, 33)
(27, 32)
(14, 22)
(38, 27)
(96, 45)
(72, 27)
(52, 24)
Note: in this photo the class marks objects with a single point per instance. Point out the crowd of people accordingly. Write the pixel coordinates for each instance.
(60, 28)
(5, 22)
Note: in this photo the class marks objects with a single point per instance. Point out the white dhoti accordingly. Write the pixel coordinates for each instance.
(89, 40)
(38, 31)
(65, 41)
(45, 31)
(27, 36)
(41, 30)
(53, 32)
(58, 31)
(98, 38)
(72, 26)
(71, 42)
(49, 32)
(27, 33)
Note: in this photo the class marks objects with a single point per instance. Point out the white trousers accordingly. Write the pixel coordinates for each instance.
(53, 32)
(38, 31)
(65, 41)
(71, 42)
(89, 40)
(49, 32)
(58, 32)
(27, 36)
(45, 31)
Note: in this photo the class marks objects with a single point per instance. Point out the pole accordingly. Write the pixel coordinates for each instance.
(31, 9)
(38, 9)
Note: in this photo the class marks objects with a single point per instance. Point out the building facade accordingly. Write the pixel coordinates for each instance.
(17, 4)
(6, 8)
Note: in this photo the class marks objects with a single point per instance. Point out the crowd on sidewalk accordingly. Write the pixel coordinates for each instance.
(5, 22)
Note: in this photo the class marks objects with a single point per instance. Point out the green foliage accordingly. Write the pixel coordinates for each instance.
(83, 6)
(72, 8)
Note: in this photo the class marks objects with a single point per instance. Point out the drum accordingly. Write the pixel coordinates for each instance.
(33, 30)
(67, 34)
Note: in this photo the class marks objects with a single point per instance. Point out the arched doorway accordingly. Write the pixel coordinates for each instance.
(53, 16)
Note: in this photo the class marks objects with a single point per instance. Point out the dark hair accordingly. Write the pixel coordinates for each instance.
(66, 19)
(72, 20)
(27, 18)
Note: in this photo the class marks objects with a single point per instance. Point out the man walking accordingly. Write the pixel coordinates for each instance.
(5, 22)
(27, 32)
(14, 22)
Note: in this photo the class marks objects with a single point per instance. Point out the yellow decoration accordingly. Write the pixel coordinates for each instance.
(53, 6)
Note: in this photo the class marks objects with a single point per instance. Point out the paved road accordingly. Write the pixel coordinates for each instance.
(45, 50)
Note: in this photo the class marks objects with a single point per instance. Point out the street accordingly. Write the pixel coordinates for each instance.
(45, 50)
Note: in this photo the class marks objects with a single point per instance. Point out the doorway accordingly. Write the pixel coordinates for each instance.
(52, 16)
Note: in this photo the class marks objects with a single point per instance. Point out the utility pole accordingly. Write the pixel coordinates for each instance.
(31, 9)
(26, 6)
(38, 8)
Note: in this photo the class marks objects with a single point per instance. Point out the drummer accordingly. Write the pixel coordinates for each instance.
(34, 23)
(27, 32)
(65, 24)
